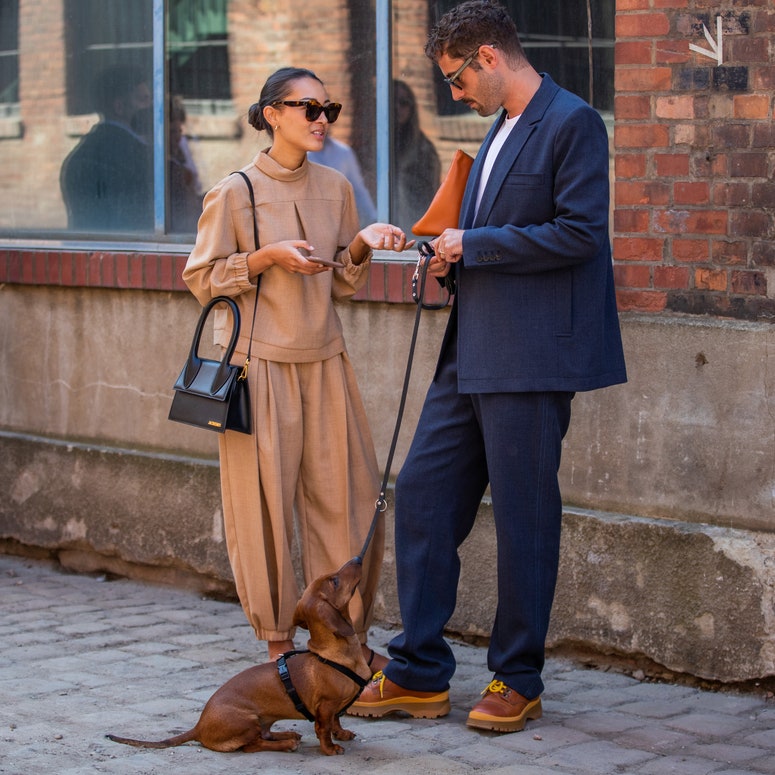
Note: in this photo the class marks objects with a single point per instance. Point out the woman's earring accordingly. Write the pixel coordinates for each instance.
(277, 128)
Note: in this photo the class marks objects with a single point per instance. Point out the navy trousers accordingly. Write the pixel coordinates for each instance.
(512, 441)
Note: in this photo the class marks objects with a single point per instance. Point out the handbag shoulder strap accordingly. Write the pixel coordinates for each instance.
(258, 278)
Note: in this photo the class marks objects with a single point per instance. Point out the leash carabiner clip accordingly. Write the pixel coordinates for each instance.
(426, 252)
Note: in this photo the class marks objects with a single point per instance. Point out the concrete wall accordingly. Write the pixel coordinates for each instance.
(668, 480)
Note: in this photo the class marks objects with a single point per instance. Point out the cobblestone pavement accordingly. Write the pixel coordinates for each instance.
(82, 656)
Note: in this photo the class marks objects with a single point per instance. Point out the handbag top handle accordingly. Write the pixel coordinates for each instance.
(195, 362)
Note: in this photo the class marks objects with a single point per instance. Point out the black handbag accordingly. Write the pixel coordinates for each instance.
(214, 394)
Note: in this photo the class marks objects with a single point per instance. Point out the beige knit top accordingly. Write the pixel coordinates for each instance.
(296, 321)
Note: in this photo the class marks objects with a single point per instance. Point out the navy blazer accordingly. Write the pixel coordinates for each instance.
(535, 308)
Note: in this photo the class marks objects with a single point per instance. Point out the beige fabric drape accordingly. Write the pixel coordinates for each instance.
(320, 462)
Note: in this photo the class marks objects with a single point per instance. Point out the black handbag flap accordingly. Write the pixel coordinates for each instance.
(209, 380)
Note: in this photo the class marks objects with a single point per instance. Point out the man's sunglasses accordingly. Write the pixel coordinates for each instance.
(452, 80)
(313, 109)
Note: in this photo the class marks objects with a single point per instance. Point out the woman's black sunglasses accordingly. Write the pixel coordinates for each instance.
(313, 109)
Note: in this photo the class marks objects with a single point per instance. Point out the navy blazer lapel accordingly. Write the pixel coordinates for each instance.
(527, 124)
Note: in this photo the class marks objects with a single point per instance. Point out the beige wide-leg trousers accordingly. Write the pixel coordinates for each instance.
(312, 454)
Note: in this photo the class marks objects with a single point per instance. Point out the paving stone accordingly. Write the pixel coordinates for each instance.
(80, 657)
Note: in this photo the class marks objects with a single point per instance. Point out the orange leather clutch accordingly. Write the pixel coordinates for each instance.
(444, 210)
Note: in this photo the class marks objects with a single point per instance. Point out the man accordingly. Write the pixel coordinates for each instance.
(534, 320)
(107, 180)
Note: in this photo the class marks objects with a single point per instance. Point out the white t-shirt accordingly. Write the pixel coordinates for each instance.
(492, 155)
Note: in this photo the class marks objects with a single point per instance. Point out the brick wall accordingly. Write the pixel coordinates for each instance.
(695, 151)
(388, 281)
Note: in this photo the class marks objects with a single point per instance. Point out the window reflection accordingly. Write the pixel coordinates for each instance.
(416, 165)
(9, 57)
(218, 54)
(107, 179)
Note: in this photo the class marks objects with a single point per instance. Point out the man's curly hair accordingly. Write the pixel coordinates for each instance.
(471, 24)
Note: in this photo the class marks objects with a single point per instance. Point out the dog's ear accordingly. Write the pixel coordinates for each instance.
(336, 621)
(344, 628)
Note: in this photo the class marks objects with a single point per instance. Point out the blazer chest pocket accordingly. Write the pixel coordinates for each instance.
(523, 180)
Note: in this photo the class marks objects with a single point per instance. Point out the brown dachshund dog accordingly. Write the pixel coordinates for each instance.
(323, 681)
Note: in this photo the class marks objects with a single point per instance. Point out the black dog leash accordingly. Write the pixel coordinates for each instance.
(420, 275)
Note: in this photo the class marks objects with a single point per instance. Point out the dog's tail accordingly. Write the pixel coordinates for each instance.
(171, 742)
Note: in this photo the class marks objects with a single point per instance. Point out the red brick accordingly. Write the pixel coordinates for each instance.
(685, 193)
(671, 165)
(641, 301)
(136, 266)
(642, 192)
(748, 165)
(121, 270)
(638, 248)
(671, 277)
(737, 194)
(109, 279)
(753, 283)
(675, 107)
(53, 268)
(642, 25)
(710, 279)
(750, 223)
(691, 221)
(746, 49)
(632, 5)
(729, 253)
(632, 106)
(629, 220)
(633, 52)
(13, 267)
(648, 79)
(67, 269)
(81, 269)
(752, 106)
(690, 250)
(39, 269)
(630, 165)
(642, 136)
(670, 52)
(632, 276)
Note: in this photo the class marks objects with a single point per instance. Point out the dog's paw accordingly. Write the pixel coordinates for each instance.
(285, 735)
(344, 734)
(332, 750)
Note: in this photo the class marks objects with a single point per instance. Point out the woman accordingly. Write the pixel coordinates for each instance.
(311, 455)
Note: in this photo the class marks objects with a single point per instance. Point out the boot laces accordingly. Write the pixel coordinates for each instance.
(496, 687)
(379, 677)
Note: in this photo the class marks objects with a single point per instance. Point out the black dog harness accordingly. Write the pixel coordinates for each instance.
(285, 677)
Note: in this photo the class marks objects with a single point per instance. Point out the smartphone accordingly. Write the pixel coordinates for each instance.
(324, 261)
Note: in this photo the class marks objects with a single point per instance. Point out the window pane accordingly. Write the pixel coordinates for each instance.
(107, 178)
(9, 55)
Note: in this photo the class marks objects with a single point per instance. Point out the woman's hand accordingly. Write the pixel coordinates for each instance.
(378, 236)
(290, 255)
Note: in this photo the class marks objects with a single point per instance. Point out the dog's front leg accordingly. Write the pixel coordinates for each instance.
(325, 723)
(339, 732)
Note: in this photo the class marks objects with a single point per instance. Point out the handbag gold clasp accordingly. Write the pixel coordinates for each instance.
(244, 373)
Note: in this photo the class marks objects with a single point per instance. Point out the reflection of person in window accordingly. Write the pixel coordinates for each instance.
(183, 178)
(417, 166)
(341, 157)
(107, 180)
